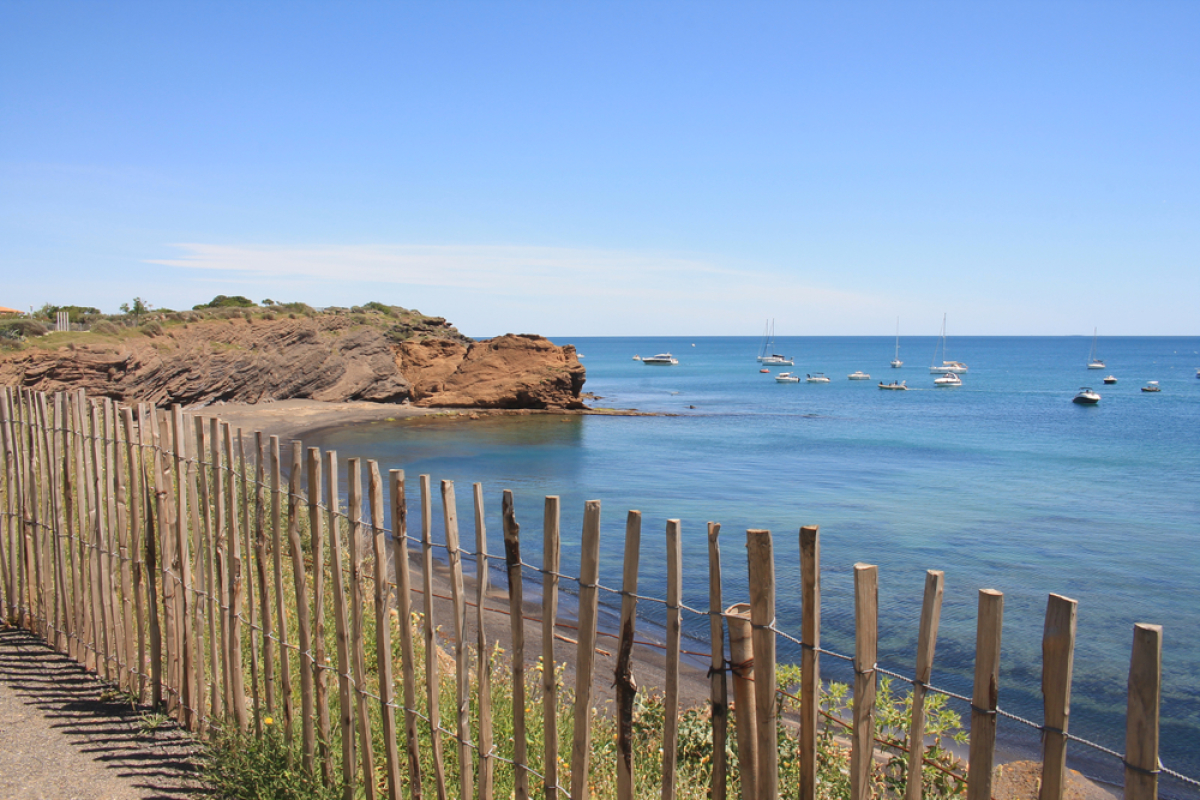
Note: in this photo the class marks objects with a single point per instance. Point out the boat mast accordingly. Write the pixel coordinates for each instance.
(942, 343)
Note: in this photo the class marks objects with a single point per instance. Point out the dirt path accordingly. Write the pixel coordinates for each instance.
(62, 738)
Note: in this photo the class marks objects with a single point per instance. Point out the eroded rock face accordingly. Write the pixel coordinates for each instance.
(328, 357)
(510, 371)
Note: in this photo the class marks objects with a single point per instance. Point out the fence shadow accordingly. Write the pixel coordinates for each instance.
(75, 706)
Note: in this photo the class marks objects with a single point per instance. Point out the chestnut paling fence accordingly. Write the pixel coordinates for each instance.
(181, 561)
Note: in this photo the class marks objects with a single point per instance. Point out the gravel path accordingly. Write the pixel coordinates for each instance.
(62, 737)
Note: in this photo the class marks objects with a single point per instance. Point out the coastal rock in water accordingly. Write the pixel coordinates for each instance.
(510, 371)
(327, 357)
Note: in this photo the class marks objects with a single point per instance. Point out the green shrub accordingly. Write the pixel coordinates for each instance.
(19, 329)
(386, 310)
(227, 301)
(240, 766)
(106, 328)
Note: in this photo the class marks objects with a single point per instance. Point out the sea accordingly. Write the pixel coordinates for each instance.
(1002, 483)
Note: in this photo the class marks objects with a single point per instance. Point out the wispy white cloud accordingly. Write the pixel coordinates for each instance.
(589, 286)
(501, 268)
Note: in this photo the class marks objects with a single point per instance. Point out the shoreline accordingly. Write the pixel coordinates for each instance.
(295, 419)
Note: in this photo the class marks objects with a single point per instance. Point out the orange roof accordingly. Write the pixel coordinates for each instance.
(4, 310)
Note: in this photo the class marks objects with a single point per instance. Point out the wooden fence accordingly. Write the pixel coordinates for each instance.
(181, 560)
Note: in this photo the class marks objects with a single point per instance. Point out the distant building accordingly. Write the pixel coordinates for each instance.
(4, 312)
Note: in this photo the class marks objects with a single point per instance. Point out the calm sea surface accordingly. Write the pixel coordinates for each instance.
(1002, 483)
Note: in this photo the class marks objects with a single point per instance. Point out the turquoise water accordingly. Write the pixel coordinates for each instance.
(1002, 483)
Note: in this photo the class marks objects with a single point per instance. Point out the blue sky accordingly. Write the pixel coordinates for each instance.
(607, 168)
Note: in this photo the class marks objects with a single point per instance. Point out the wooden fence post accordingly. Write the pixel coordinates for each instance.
(623, 675)
(383, 640)
(7, 552)
(1058, 658)
(400, 565)
(189, 687)
(137, 516)
(245, 566)
(719, 686)
(551, 553)
(984, 700)
(260, 564)
(221, 567)
(60, 530)
(866, 634)
(320, 677)
(200, 606)
(102, 591)
(762, 616)
(674, 642)
(211, 569)
(155, 527)
(516, 604)
(281, 612)
(462, 676)
(741, 660)
(346, 698)
(236, 587)
(112, 563)
(461, 651)
(585, 663)
(1141, 719)
(433, 680)
(295, 501)
(931, 613)
(62, 414)
(486, 759)
(810, 657)
(358, 648)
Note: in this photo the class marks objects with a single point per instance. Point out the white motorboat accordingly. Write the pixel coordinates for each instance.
(816, 377)
(1111, 379)
(1086, 397)
(946, 366)
(1094, 362)
(858, 375)
(1151, 386)
(661, 358)
(896, 387)
(896, 362)
(948, 379)
(637, 358)
(787, 377)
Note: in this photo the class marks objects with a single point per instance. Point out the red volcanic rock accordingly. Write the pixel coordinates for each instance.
(510, 371)
(327, 357)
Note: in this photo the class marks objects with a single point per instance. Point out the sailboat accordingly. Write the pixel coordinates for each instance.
(765, 356)
(946, 366)
(896, 362)
(1093, 362)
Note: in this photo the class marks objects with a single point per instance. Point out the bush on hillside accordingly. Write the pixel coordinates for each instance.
(227, 301)
(26, 327)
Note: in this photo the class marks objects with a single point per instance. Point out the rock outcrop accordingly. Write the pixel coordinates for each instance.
(330, 357)
(510, 371)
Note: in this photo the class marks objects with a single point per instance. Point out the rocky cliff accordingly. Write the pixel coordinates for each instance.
(331, 356)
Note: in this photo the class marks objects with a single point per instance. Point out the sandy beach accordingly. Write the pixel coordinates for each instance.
(293, 419)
